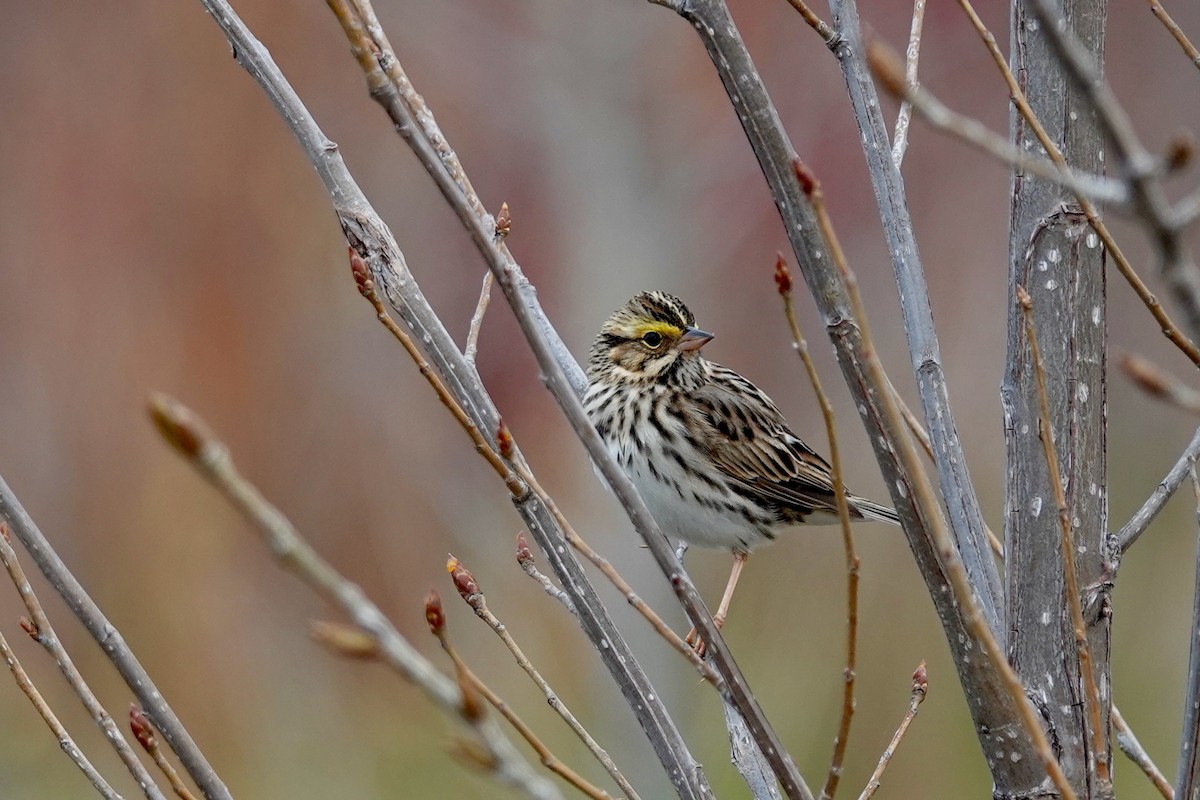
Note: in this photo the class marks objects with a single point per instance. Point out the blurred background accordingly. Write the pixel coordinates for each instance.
(162, 231)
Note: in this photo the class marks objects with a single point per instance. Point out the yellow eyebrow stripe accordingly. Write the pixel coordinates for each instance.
(665, 328)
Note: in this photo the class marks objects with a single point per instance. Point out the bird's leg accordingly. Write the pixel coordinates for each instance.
(739, 562)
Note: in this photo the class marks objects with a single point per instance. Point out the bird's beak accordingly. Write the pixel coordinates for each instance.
(693, 339)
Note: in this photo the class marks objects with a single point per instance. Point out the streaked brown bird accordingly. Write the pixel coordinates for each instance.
(708, 451)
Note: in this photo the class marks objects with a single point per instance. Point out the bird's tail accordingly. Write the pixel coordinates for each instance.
(872, 510)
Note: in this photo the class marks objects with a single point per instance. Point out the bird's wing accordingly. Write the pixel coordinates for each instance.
(748, 439)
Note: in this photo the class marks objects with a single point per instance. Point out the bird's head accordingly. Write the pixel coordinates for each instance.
(651, 338)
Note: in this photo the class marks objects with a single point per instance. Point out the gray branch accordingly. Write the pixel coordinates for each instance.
(113, 645)
(1056, 258)
(992, 707)
(1130, 531)
(371, 238)
(1187, 781)
(966, 519)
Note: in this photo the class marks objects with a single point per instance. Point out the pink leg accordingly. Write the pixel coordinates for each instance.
(693, 637)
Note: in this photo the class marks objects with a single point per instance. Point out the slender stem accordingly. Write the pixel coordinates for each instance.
(1155, 382)
(1141, 519)
(911, 56)
(143, 731)
(65, 742)
(113, 645)
(43, 633)
(1190, 49)
(191, 438)
(920, 688)
(1187, 780)
(1091, 691)
(478, 603)
(887, 68)
(1132, 748)
(964, 591)
(1165, 323)
(485, 297)
(784, 281)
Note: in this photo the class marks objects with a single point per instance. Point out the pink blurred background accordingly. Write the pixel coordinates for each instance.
(162, 231)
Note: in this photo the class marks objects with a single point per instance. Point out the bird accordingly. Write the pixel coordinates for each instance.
(709, 452)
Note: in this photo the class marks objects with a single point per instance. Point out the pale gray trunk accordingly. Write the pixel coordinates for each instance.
(1056, 257)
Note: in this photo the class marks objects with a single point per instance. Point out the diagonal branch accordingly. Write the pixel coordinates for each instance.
(372, 240)
(113, 645)
(191, 439)
(1130, 531)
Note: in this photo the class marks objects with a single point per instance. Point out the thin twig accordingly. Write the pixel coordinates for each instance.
(469, 589)
(525, 559)
(911, 56)
(783, 281)
(485, 296)
(1190, 49)
(1187, 778)
(366, 287)
(143, 732)
(43, 633)
(65, 742)
(436, 617)
(1165, 323)
(1156, 383)
(819, 25)
(192, 439)
(1091, 691)
(1137, 524)
(1132, 748)
(113, 644)
(889, 71)
(964, 592)
(920, 687)
(609, 571)
(1134, 162)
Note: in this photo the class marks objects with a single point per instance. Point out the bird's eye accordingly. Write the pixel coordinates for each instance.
(652, 339)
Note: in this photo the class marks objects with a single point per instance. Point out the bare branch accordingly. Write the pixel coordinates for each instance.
(113, 645)
(474, 597)
(911, 56)
(1156, 383)
(1137, 524)
(1132, 748)
(191, 438)
(886, 67)
(525, 559)
(65, 742)
(373, 241)
(920, 688)
(1188, 48)
(958, 492)
(783, 281)
(485, 296)
(43, 633)
(1168, 327)
(1134, 162)
(436, 617)
(143, 732)
(1187, 781)
(1091, 692)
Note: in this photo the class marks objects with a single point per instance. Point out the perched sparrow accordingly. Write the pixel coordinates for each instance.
(709, 452)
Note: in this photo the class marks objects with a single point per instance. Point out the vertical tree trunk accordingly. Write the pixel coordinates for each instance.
(1059, 260)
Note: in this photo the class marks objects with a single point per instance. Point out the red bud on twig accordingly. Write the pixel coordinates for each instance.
(503, 221)
(362, 275)
(435, 615)
(504, 441)
(142, 730)
(783, 275)
(524, 554)
(464, 581)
